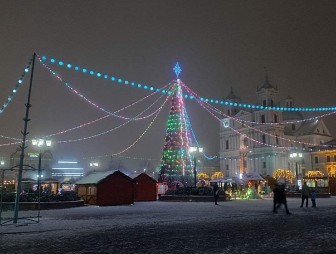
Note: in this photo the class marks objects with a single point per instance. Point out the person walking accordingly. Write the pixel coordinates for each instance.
(304, 194)
(279, 197)
(313, 198)
(216, 192)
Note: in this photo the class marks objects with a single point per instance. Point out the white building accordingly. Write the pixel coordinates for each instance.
(250, 145)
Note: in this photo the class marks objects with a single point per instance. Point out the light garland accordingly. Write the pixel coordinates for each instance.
(142, 134)
(121, 156)
(284, 174)
(196, 141)
(93, 121)
(106, 116)
(207, 106)
(76, 92)
(15, 89)
(115, 128)
(250, 127)
(208, 100)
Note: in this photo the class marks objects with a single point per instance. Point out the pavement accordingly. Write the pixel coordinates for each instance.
(238, 226)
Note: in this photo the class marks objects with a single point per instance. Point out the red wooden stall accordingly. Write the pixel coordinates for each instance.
(106, 188)
(145, 188)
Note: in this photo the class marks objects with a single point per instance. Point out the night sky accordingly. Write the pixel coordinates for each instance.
(217, 43)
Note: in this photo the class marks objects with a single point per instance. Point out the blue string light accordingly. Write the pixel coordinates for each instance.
(196, 141)
(177, 69)
(15, 89)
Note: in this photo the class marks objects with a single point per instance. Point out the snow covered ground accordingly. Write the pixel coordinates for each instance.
(239, 226)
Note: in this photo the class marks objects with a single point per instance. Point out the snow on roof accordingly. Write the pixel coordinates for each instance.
(95, 177)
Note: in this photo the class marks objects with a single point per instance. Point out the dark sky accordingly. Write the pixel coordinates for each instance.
(218, 44)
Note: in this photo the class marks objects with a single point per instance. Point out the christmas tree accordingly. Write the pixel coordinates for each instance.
(176, 163)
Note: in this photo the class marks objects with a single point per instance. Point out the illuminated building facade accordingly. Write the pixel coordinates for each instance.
(247, 144)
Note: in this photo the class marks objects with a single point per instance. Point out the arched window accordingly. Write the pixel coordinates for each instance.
(263, 119)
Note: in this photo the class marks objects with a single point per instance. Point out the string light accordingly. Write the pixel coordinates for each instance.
(207, 107)
(108, 131)
(16, 87)
(99, 74)
(106, 116)
(142, 134)
(250, 127)
(121, 156)
(209, 100)
(76, 92)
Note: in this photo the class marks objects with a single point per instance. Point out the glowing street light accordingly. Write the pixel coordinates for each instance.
(194, 150)
(296, 157)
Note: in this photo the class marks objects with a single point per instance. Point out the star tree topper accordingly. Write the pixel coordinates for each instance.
(177, 69)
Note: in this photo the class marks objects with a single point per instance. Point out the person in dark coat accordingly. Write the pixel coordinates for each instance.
(216, 193)
(313, 198)
(279, 197)
(304, 194)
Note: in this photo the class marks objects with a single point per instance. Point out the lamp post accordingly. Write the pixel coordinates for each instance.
(40, 143)
(296, 157)
(193, 150)
(2, 164)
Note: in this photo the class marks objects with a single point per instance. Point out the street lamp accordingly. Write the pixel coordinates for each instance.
(193, 150)
(40, 143)
(296, 157)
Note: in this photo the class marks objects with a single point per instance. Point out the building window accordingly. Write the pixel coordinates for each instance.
(263, 119)
(272, 104)
(227, 166)
(293, 127)
(264, 138)
(328, 158)
(334, 157)
(275, 118)
(227, 144)
(245, 142)
(264, 164)
(316, 159)
(264, 103)
(276, 139)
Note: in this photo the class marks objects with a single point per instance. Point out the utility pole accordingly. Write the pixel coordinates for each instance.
(23, 145)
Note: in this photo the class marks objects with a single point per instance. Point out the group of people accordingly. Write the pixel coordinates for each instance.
(279, 197)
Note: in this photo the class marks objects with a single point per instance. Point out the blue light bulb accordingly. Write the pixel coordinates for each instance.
(84, 70)
(69, 66)
(52, 60)
(60, 63)
(76, 68)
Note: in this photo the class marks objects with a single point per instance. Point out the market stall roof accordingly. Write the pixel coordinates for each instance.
(225, 180)
(252, 176)
(95, 177)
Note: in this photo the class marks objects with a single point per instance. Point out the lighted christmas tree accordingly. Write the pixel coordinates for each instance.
(176, 164)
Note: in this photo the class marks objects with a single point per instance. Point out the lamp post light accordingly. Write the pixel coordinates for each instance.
(40, 143)
(296, 157)
(193, 150)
